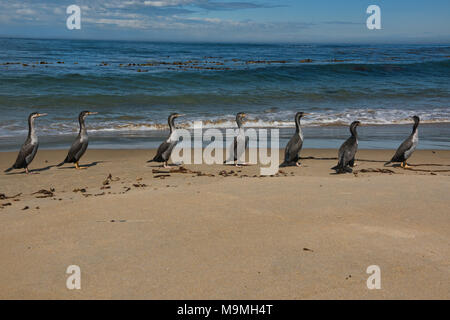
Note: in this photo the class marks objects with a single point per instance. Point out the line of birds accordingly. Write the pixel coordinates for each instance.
(346, 154)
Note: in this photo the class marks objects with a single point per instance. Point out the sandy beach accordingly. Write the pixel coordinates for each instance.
(219, 232)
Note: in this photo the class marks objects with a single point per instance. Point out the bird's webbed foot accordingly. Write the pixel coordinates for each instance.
(404, 165)
(77, 166)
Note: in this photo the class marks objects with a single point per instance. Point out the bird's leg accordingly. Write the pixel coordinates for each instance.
(27, 171)
(352, 163)
(166, 166)
(77, 166)
(405, 166)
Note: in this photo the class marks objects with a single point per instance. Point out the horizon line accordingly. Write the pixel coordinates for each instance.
(230, 42)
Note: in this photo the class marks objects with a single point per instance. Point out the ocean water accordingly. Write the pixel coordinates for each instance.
(135, 85)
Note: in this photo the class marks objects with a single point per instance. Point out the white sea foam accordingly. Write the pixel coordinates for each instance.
(276, 119)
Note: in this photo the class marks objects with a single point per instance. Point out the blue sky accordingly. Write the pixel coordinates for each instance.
(231, 20)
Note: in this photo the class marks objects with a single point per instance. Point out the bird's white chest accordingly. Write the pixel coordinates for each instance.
(241, 135)
(34, 139)
(300, 134)
(415, 141)
(83, 136)
(173, 137)
(415, 138)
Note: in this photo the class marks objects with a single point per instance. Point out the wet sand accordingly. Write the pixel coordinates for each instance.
(220, 232)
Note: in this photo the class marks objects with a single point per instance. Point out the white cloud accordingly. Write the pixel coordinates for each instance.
(26, 11)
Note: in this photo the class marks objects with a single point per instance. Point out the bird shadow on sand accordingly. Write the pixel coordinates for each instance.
(171, 166)
(33, 171)
(413, 167)
(92, 164)
(339, 173)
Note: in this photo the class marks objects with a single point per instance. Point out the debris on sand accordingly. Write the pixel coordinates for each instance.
(4, 197)
(110, 179)
(307, 249)
(161, 176)
(82, 190)
(139, 185)
(375, 170)
(26, 208)
(225, 173)
(6, 204)
(45, 193)
(184, 170)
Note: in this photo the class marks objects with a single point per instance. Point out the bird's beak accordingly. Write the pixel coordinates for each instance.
(181, 115)
(306, 114)
(92, 113)
(41, 114)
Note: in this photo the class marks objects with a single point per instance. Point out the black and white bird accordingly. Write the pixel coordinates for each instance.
(408, 146)
(166, 148)
(240, 142)
(30, 146)
(347, 151)
(294, 146)
(80, 144)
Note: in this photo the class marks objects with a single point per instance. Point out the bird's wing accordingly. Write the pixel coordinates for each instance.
(347, 151)
(74, 150)
(82, 150)
(26, 155)
(400, 153)
(168, 151)
(292, 149)
(161, 152)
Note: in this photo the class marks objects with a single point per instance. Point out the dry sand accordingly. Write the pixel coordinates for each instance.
(304, 234)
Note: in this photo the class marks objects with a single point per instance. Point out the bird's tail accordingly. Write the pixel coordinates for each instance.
(389, 162)
(341, 169)
(286, 164)
(59, 165)
(151, 160)
(9, 169)
(336, 167)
